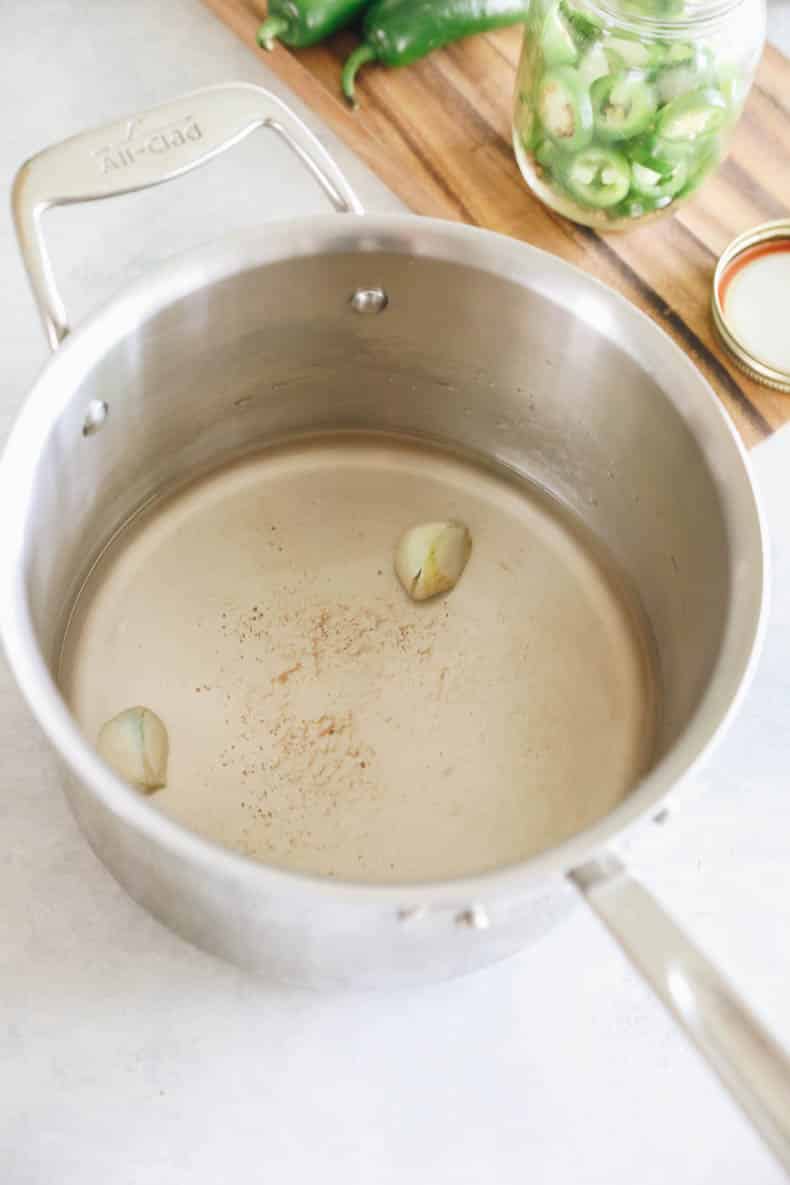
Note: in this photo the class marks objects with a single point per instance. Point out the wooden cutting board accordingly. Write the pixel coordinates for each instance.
(438, 134)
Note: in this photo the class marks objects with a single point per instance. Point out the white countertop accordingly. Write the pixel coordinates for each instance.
(127, 1056)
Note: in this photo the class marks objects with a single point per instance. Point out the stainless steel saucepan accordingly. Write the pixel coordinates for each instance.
(404, 327)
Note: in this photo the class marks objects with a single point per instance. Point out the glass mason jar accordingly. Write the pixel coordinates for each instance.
(624, 107)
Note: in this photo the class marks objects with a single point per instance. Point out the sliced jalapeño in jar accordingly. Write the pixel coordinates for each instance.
(598, 177)
(624, 107)
(564, 107)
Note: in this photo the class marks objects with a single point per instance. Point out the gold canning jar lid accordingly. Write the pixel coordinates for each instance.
(751, 302)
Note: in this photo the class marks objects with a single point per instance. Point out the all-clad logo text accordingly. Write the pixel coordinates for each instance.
(140, 142)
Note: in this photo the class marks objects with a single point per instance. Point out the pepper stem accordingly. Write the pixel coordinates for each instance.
(272, 27)
(364, 53)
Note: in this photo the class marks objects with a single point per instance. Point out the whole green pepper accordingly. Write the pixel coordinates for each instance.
(399, 32)
(300, 23)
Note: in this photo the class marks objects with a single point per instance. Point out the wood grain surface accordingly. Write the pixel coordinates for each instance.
(438, 134)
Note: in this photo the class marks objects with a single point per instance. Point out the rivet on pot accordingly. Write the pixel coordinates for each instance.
(369, 300)
(95, 416)
(411, 913)
(476, 918)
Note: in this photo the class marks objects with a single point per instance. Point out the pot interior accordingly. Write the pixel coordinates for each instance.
(322, 721)
(259, 411)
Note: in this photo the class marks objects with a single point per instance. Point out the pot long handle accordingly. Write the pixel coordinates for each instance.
(148, 149)
(749, 1061)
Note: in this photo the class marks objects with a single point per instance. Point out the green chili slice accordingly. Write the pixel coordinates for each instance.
(598, 177)
(585, 28)
(623, 105)
(701, 164)
(634, 54)
(637, 205)
(547, 154)
(594, 65)
(657, 177)
(681, 76)
(564, 107)
(556, 40)
(692, 117)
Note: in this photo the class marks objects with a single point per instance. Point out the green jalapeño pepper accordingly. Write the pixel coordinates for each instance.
(623, 105)
(598, 177)
(637, 206)
(564, 107)
(548, 155)
(399, 32)
(585, 28)
(566, 33)
(300, 23)
(679, 75)
(632, 54)
(557, 41)
(701, 163)
(594, 65)
(654, 176)
(692, 117)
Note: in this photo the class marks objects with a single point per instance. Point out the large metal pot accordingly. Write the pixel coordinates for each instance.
(401, 318)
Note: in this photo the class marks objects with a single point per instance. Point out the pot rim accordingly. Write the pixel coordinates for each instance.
(467, 246)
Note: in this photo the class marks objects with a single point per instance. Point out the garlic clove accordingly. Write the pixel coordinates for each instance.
(135, 744)
(430, 558)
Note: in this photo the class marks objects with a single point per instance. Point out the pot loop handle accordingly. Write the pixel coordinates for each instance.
(750, 1062)
(148, 149)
